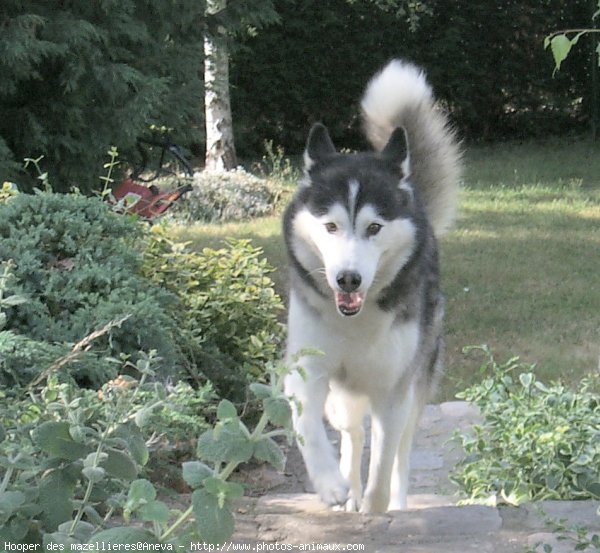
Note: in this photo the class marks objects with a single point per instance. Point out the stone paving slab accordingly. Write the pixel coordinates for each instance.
(288, 514)
(302, 520)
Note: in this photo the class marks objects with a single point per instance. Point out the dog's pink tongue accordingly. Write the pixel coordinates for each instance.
(349, 303)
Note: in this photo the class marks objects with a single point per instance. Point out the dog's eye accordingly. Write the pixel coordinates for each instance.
(373, 229)
(331, 228)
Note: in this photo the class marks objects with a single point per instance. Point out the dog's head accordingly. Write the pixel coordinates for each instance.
(352, 227)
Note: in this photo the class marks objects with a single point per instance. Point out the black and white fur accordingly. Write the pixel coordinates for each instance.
(361, 239)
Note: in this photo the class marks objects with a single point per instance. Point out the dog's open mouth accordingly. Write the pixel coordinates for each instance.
(349, 304)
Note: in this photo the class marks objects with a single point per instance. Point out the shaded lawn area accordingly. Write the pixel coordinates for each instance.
(521, 269)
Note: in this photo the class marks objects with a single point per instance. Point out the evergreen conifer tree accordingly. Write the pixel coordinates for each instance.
(78, 77)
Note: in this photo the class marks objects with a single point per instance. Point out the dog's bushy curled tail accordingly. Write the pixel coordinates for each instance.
(400, 96)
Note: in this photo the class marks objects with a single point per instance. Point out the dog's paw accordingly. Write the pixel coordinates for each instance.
(332, 488)
(352, 504)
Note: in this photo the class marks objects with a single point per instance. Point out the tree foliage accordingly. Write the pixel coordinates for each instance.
(81, 76)
(485, 60)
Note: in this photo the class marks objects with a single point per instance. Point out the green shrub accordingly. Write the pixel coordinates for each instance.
(67, 454)
(274, 165)
(537, 441)
(21, 358)
(228, 318)
(79, 267)
(227, 196)
(183, 415)
(70, 459)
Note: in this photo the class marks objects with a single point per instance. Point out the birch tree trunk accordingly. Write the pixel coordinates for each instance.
(220, 149)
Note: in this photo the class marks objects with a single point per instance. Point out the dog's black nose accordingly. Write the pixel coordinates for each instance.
(349, 281)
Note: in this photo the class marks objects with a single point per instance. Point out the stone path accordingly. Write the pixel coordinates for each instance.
(289, 516)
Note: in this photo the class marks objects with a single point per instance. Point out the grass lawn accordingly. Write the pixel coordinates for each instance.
(521, 269)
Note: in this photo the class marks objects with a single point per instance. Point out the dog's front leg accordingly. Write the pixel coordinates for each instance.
(317, 451)
(388, 425)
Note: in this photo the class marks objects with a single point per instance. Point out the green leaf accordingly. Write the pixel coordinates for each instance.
(278, 410)
(9, 502)
(141, 490)
(82, 532)
(232, 444)
(553, 479)
(226, 410)
(56, 492)
(546, 44)
(137, 447)
(135, 442)
(19, 527)
(143, 416)
(260, 391)
(214, 523)
(93, 516)
(594, 489)
(155, 511)
(94, 474)
(590, 485)
(267, 450)
(119, 465)
(222, 489)
(123, 536)
(59, 541)
(526, 379)
(195, 472)
(77, 432)
(54, 438)
(94, 459)
(560, 45)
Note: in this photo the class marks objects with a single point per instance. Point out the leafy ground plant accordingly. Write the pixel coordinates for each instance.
(66, 454)
(220, 450)
(537, 441)
(578, 536)
(71, 459)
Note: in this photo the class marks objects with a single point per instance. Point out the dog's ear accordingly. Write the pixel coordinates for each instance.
(318, 145)
(396, 149)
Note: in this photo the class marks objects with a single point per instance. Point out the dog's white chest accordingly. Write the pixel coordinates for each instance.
(367, 353)
(374, 360)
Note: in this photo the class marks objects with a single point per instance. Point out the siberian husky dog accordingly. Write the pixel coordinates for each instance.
(361, 238)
